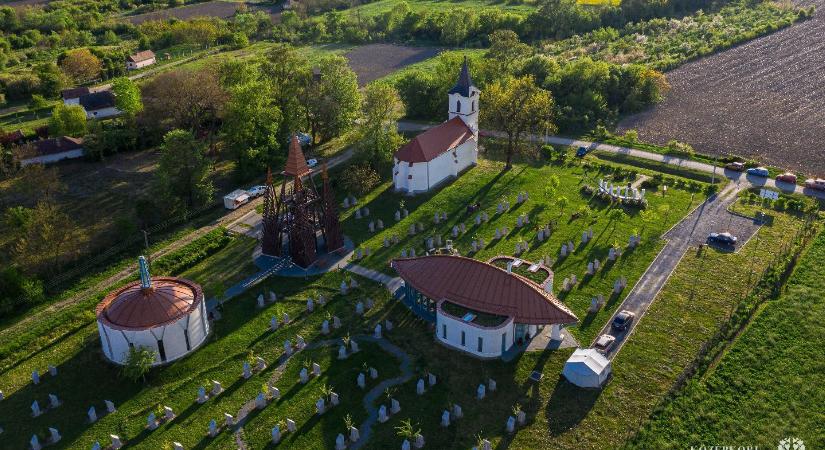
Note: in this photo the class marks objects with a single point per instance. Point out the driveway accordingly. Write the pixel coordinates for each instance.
(711, 215)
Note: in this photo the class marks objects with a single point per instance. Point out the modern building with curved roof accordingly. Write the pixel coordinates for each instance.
(164, 314)
(477, 307)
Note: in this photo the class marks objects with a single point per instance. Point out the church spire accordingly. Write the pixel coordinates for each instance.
(296, 164)
(465, 81)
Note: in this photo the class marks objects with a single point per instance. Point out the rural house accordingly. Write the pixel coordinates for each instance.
(72, 96)
(443, 151)
(52, 150)
(99, 105)
(140, 60)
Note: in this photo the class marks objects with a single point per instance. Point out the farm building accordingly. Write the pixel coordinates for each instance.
(72, 96)
(167, 315)
(443, 151)
(587, 368)
(99, 105)
(140, 60)
(477, 307)
(51, 150)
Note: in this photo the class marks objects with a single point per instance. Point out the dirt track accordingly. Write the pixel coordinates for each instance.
(764, 100)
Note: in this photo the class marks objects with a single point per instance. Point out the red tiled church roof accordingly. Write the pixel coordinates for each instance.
(482, 287)
(435, 141)
(134, 308)
(296, 164)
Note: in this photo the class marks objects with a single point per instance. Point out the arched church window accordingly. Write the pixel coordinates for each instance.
(474, 106)
(458, 106)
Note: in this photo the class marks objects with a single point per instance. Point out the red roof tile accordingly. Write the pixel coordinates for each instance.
(296, 163)
(134, 308)
(435, 141)
(483, 287)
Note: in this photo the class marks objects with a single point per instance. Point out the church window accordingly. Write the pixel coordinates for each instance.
(474, 106)
(458, 106)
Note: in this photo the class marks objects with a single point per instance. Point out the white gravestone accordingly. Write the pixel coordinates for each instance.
(110, 407)
(54, 402)
(36, 409)
(177, 446)
(52, 370)
(260, 401)
(359, 308)
(511, 424)
(481, 392)
(216, 388)
(377, 332)
(310, 305)
(92, 414)
(316, 370)
(325, 327)
(491, 385)
(276, 434)
(382, 414)
(201, 395)
(116, 444)
(334, 399)
(431, 379)
(247, 371)
(168, 413)
(151, 421)
(457, 412)
(228, 419)
(419, 387)
(274, 392)
(304, 376)
(290, 426)
(373, 373)
(336, 322)
(445, 418)
(361, 380)
(340, 442)
(320, 406)
(299, 342)
(35, 443)
(395, 407)
(342, 352)
(353, 346)
(354, 435)
(54, 435)
(213, 428)
(260, 364)
(405, 445)
(35, 377)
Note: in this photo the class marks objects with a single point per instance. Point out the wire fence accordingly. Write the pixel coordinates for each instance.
(126, 244)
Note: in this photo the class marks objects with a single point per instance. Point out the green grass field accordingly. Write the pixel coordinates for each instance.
(382, 6)
(487, 184)
(767, 386)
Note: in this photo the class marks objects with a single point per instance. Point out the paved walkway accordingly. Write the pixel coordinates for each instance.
(712, 215)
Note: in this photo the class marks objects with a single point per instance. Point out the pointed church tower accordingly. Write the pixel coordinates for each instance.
(464, 99)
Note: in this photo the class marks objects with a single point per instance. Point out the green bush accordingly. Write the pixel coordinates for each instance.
(192, 253)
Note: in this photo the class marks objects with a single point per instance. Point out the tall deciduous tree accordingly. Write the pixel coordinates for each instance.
(516, 106)
(332, 99)
(183, 170)
(288, 75)
(127, 96)
(379, 138)
(252, 128)
(81, 65)
(47, 240)
(191, 100)
(67, 120)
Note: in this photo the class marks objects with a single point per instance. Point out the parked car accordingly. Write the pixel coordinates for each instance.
(256, 191)
(581, 152)
(758, 171)
(604, 342)
(722, 238)
(623, 320)
(312, 162)
(303, 138)
(815, 183)
(787, 177)
(736, 166)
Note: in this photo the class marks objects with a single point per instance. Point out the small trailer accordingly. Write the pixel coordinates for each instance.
(235, 199)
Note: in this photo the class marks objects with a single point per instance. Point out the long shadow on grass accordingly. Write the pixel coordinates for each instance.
(568, 405)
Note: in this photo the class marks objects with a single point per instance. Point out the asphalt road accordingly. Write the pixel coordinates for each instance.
(710, 216)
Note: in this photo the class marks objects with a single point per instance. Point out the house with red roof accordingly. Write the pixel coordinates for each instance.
(477, 307)
(442, 152)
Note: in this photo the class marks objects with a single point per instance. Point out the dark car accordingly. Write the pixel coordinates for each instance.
(581, 152)
(735, 166)
(722, 238)
(622, 320)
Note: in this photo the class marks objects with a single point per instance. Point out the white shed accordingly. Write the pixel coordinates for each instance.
(587, 368)
(235, 199)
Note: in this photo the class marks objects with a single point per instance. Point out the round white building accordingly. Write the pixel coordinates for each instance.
(164, 314)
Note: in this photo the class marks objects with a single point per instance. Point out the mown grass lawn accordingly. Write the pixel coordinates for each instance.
(768, 386)
(486, 184)
(84, 378)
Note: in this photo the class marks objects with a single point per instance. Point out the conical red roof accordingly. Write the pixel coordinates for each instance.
(296, 164)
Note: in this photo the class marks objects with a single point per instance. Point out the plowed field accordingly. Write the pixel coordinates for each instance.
(764, 100)
(214, 8)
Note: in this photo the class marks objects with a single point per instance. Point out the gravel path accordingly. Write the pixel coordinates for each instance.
(763, 100)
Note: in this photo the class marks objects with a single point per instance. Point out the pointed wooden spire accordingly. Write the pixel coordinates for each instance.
(296, 164)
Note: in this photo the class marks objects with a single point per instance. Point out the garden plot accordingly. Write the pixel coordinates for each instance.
(214, 8)
(761, 100)
(374, 61)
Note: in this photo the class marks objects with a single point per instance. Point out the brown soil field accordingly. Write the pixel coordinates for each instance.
(373, 61)
(214, 8)
(763, 100)
(22, 3)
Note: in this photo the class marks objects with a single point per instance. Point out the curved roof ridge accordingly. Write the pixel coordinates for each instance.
(471, 283)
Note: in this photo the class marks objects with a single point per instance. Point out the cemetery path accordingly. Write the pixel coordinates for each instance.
(373, 394)
(711, 215)
(365, 428)
(392, 283)
(737, 177)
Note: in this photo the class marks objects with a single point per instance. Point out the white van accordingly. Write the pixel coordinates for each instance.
(235, 199)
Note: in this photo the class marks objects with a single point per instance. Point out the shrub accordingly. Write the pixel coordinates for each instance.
(360, 179)
(192, 253)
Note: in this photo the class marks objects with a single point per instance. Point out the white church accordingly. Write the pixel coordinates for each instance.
(443, 151)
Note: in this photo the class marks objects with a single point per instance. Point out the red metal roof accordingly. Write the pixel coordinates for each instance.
(296, 164)
(483, 287)
(435, 141)
(134, 308)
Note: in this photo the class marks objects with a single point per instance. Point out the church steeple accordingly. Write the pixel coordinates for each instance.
(465, 81)
(464, 98)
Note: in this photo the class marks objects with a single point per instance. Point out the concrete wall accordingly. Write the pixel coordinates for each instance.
(54, 157)
(491, 336)
(115, 343)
